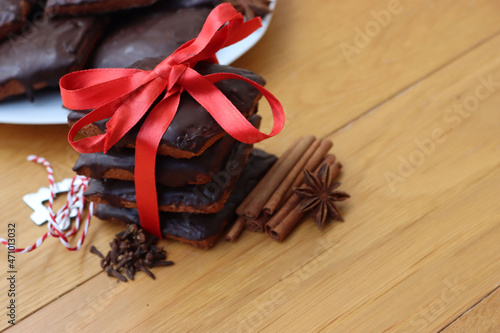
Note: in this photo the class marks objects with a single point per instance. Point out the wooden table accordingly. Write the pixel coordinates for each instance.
(409, 91)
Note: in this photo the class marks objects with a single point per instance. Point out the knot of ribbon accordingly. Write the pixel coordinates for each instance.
(126, 95)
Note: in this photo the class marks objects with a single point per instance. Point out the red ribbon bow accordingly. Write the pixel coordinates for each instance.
(125, 95)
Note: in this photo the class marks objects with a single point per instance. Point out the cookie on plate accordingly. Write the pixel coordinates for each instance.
(51, 50)
(85, 7)
(148, 34)
(13, 14)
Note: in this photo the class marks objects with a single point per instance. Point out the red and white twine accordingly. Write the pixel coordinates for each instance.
(75, 200)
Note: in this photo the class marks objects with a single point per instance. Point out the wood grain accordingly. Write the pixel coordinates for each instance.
(302, 61)
(51, 270)
(481, 318)
(415, 252)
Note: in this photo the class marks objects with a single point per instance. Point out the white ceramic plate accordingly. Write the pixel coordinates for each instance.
(47, 107)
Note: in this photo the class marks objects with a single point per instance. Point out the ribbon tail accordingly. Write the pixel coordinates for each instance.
(223, 27)
(147, 143)
(242, 31)
(202, 89)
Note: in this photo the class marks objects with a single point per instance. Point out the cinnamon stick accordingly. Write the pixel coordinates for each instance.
(312, 164)
(279, 197)
(268, 185)
(282, 230)
(269, 174)
(258, 224)
(236, 229)
(282, 213)
(289, 215)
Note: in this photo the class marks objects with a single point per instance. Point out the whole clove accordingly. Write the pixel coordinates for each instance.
(95, 251)
(132, 250)
(112, 272)
(139, 264)
(163, 263)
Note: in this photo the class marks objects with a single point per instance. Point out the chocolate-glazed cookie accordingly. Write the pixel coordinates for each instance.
(120, 164)
(51, 49)
(200, 230)
(156, 33)
(193, 129)
(13, 14)
(191, 3)
(207, 198)
(85, 7)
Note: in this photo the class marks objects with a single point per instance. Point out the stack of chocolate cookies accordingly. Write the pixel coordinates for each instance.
(202, 173)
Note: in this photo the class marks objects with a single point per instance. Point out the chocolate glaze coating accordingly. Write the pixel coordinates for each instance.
(156, 33)
(10, 10)
(52, 49)
(193, 129)
(191, 3)
(119, 164)
(85, 7)
(11, 17)
(194, 228)
(207, 198)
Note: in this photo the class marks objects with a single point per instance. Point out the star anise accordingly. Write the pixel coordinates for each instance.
(319, 195)
(251, 8)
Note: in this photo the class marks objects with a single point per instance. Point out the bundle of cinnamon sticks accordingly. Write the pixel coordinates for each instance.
(272, 206)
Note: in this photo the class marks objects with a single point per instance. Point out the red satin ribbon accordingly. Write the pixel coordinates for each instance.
(125, 96)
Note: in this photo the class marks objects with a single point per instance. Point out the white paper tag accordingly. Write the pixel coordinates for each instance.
(41, 213)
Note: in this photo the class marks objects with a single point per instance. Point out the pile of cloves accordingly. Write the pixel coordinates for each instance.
(132, 250)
